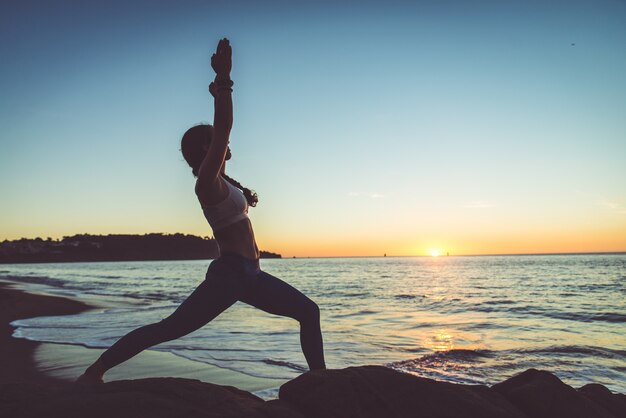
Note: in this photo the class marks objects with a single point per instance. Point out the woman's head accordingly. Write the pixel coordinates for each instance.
(195, 144)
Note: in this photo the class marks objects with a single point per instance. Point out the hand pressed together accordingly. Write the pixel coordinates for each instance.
(221, 61)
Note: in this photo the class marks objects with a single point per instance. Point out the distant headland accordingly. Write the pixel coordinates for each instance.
(118, 247)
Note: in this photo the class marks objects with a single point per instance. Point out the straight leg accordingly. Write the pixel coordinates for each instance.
(277, 297)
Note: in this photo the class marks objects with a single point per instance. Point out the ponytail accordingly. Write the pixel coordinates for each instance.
(250, 195)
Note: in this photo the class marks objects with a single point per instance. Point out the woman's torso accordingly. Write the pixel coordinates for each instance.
(227, 215)
(238, 238)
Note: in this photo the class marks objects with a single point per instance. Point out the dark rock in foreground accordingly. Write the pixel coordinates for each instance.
(541, 394)
(354, 392)
(377, 391)
(613, 403)
(155, 397)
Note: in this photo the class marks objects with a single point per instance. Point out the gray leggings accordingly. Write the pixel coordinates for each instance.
(229, 278)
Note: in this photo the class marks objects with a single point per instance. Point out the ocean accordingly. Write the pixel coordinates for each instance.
(474, 319)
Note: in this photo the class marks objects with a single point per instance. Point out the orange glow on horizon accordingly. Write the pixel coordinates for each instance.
(371, 244)
(533, 242)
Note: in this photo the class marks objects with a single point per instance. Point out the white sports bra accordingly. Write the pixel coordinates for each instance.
(230, 210)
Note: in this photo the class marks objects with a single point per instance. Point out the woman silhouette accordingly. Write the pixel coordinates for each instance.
(235, 275)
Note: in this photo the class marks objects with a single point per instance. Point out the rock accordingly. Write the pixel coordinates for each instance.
(280, 409)
(614, 403)
(540, 394)
(377, 391)
(354, 392)
(154, 398)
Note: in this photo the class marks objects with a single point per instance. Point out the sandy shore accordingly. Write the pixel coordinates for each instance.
(32, 377)
(17, 355)
(28, 361)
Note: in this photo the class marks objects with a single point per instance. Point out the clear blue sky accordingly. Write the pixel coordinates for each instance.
(365, 127)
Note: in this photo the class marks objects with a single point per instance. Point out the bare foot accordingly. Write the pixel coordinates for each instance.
(93, 374)
(86, 379)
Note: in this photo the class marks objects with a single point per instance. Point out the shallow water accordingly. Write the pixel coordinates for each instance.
(461, 319)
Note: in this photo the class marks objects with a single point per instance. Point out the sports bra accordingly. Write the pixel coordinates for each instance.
(230, 210)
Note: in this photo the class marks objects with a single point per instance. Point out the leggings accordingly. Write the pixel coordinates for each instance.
(229, 278)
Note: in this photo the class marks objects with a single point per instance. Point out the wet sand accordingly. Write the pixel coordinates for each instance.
(17, 355)
(22, 360)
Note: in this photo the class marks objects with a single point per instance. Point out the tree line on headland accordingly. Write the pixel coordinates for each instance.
(119, 247)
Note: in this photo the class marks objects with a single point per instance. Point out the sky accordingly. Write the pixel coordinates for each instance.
(366, 128)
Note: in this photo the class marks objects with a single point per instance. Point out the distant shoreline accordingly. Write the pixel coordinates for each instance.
(112, 247)
(168, 247)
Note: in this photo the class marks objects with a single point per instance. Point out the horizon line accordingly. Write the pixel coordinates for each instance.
(465, 255)
(620, 252)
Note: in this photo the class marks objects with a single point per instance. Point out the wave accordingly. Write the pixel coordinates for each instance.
(349, 314)
(529, 310)
(25, 323)
(499, 302)
(95, 288)
(405, 296)
(138, 296)
(89, 344)
(612, 317)
(160, 296)
(267, 394)
(237, 365)
(292, 366)
(454, 355)
(576, 350)
(457, 357)
(174, 347)
(75, 289)
(49, 281)
(456, 365)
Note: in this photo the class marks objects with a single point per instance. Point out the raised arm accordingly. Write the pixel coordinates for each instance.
(221, 89)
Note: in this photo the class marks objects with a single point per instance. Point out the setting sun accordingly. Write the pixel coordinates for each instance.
(435, 252)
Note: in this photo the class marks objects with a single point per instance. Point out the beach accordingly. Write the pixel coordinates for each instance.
(36, 381)
(17, 361)
(28, 361)
(470, 320)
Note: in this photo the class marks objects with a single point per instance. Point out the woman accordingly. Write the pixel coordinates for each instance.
(235, 275)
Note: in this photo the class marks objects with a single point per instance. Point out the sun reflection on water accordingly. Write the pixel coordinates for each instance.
(443, 340)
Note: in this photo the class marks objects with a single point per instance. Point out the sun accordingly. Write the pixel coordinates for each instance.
(435, 252)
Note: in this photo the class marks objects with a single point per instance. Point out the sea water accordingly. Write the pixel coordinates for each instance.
(478, 319)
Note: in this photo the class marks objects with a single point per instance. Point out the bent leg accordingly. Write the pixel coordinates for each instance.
(206, 302)
(277, 297)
